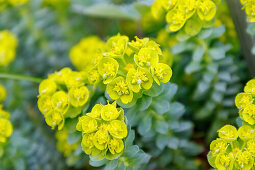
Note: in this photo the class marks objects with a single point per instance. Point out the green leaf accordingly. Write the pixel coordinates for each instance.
(161, 126)
(145, 124)
(161, 106)
(194, 66)
(144, 102)
(98, 163)
(169, 91)
(131, 151)
(73, 138)
(176, 110)
(161, 141)
(130, 138)
(173, 142)
(108, 11)
(111, 164)
(154, 91)
(198, 53)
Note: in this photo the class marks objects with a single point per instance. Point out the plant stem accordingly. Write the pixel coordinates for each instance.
(20, 77)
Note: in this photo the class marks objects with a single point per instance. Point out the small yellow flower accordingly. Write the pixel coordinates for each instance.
(218, 146)
(93, 77)
(176, 18)
(108, 68)
(78, 96)
(88, 144)
(86, 124)
(109, 112)
(5, 129)
(161, 73)
(87, 53)
(248, 114)
(8, 45)
(60, 102)
(116, 146)
(138, 43)
(243, 99)
(250, 11)
(74, 79)
(251, 146)
(168, 4)
(119, 89)
(54, 119)
(246, 132)
(3, 93)
(146, 57)
(118, 129)
(189, 6)
(45, 104)
(228, 132)
(116, 45)
(206, 10)
(101, 139)
(244, 160)
(250, 87)
(157, 9)
(4, 114)
(96, 111)
(138, 79)
(61, 75)
(47, 87)
(225, 161)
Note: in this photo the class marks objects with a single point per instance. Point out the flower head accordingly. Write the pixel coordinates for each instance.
(228, 132)
(78, 96)
(3, 93)
(161, 73)
(5, 129)
(108, 68)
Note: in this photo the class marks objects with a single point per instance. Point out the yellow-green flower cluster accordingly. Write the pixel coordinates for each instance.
(104, 129)
(249, 7)
(127, 67)
(245, 103)
(63, 94)
(178, 12)
(234, 149)
(87, 53)
(62, 144)
(5, 124)
(8, 45)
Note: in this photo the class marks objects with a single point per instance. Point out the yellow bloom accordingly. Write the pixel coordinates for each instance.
(4, 114)
(251, 146)
(116, 45)
(138, 79)
(248, 114)
(246, 132)
(250, 87)
(189, 6)
(225, 161)
(138, 43)
(96, 111)
(60, 102)
(146, 57)
(74, 79)
(5, 129)
(88, 144)
(108, 68)
(244, 160)
(116, 146)
(243, 99)
(118, 129)
(61, 75)
(87, 53)
(86, 124)
(157, 9)
(161, 73)
(250, 11)
(228, 132)
(78, 96)
(93, 77)
(8, 45)
(54, 119)
(206, 10)
(168, 4)
(101, 139)
(109, 112)
(45, 104)
(47, 87)
(218, 146)
(3, 93)
(119, 89)
(176, 18)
